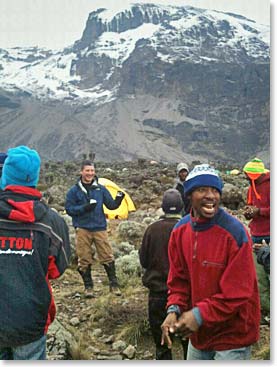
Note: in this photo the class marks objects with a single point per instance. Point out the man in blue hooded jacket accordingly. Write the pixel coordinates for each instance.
(84, 203)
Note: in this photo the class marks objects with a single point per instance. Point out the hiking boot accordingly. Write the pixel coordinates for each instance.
(115, 290)
(88, 292)
(88, 282)
(110, 270)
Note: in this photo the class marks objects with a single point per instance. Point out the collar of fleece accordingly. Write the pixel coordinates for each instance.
(22, 204)
(25, 190)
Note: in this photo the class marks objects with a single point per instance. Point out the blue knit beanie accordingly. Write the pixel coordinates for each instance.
(21, 167)
(202, 175)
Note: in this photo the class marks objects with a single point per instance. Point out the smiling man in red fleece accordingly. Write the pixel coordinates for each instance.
(34, 247)
(213, 294)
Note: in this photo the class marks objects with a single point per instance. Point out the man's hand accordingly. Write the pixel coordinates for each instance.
(120, 194)
(186, 324)
(258, 246)
(90, 206)
(251, 211)
(119, 197)
(167, 328)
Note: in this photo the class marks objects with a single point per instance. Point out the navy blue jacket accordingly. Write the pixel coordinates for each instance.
(34, 247)
(77, 199)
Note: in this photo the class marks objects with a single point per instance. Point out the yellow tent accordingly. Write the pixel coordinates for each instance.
(125, 207)
(234, 172)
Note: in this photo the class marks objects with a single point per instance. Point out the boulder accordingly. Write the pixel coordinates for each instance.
(232, 197)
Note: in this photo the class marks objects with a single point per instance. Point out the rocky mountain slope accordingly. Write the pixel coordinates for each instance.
(149, 81)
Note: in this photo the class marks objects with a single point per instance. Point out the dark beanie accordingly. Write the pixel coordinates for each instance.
(21, 167)
(172, 202)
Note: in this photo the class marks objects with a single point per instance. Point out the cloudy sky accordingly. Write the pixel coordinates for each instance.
(59, 23)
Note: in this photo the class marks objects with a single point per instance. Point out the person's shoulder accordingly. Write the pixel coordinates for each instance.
(265, 179)
(73, 188)
(160, 223)
(226, 219)
(57, 222)
(97, 185)
(102, 190)
(156, 224)
(233, 225)
(50, 212)
(102, 187)
(183, 221)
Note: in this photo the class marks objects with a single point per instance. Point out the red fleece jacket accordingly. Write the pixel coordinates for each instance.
(212, 268)
(260, 225)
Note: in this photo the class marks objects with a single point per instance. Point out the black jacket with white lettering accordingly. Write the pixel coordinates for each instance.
(34, 247)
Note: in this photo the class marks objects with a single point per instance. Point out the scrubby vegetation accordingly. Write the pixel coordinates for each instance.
(110, 327)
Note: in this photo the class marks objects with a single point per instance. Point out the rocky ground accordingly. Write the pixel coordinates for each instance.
(108, 327)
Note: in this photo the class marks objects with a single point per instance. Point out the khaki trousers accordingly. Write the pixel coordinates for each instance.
(84, 249)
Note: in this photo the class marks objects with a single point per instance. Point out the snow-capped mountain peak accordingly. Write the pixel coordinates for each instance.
(88, 69)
